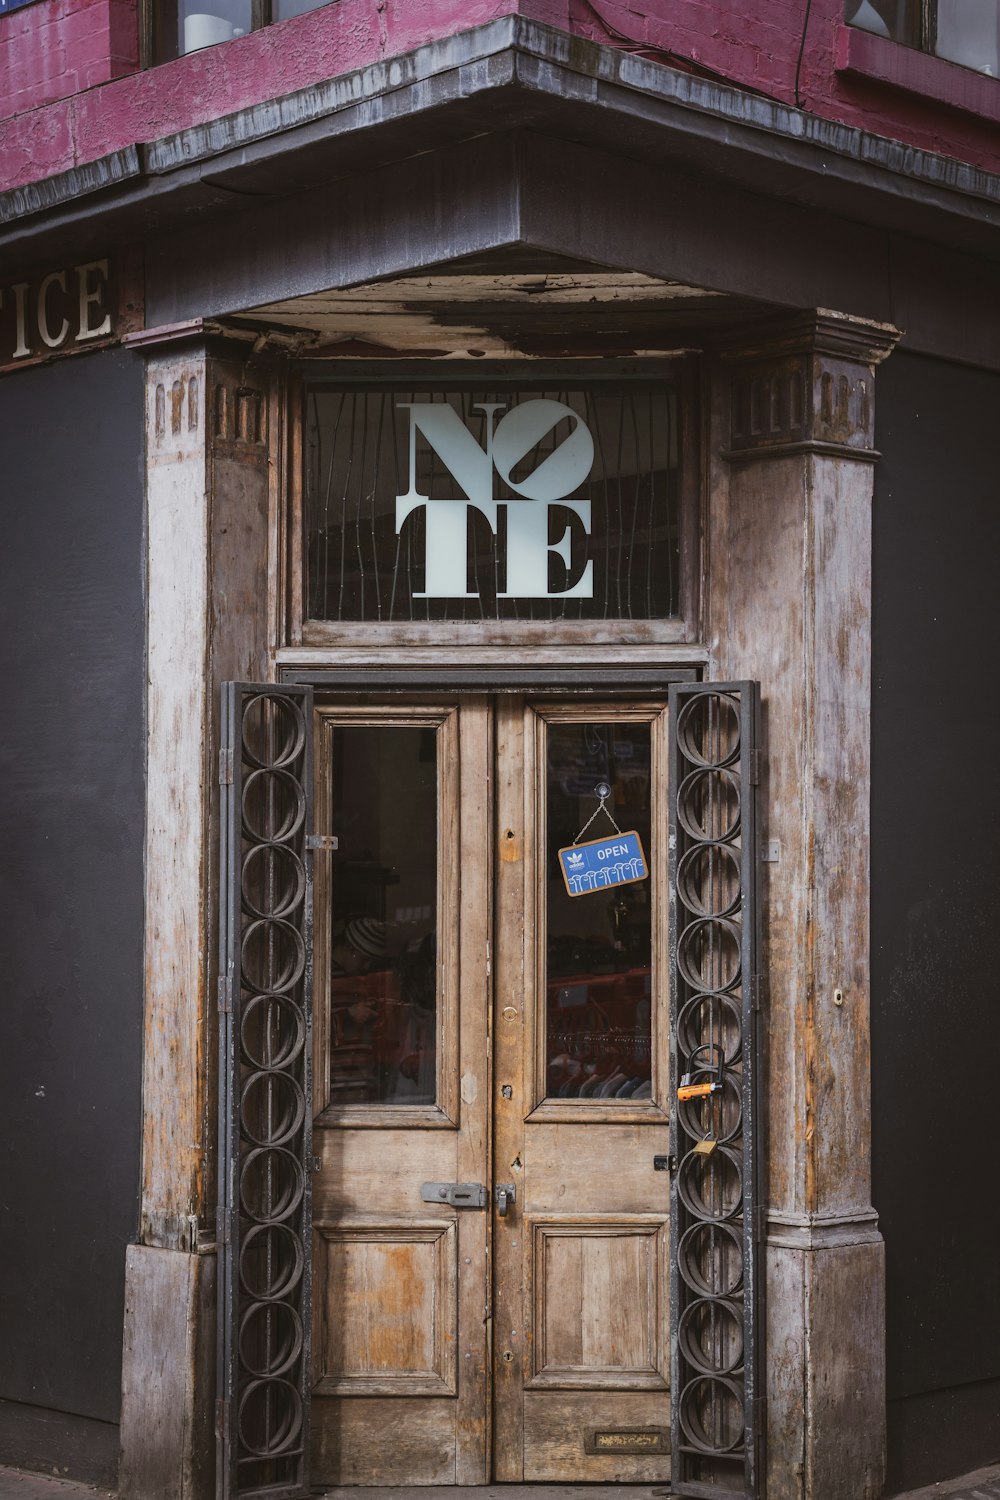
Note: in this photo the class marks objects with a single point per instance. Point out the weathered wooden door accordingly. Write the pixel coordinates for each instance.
(581, 1061)
(401, 1274)
(482, 1027)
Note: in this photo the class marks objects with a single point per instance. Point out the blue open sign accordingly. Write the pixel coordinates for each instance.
(600, 863)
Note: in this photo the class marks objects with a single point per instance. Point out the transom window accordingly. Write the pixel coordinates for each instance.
(961, 31)
(548, 502)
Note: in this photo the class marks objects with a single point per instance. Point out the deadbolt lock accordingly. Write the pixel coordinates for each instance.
(455, 1194)
(469, 1195)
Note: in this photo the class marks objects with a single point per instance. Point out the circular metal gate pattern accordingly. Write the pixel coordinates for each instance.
(710, 1008)
(268, 1089)
(710, 1259)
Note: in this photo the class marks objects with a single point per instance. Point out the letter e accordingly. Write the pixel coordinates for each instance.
(92, 298)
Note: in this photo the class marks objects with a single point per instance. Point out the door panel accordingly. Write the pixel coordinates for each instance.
(387, 1319)
(595, 1305)
(376, 1439)
(628, 1426)
(581, 1353)
(400, 1329)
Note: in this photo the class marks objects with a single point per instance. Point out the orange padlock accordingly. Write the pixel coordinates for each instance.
(695, 1090)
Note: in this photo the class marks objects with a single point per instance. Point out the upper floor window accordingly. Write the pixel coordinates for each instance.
(961, 31)
(181, 26)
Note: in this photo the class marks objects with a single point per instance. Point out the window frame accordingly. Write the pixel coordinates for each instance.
(158, 26)
(926, 35)
(331, 714)
(541, 717)
(296, 630)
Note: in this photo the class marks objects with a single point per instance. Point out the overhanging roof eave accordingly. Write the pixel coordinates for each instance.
(510, 74)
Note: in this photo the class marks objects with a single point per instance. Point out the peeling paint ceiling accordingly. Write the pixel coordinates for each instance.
(533, 312)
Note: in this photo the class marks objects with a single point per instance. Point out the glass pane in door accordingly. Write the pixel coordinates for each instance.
(384, 910)
(598, 943)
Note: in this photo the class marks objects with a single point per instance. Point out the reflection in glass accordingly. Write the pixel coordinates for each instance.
(599, 945)
(899, 20)
(383, 970)
(968, 32)
(205, 23)
(283, 10)
(182, 26)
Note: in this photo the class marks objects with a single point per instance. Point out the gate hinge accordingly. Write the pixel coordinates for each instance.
(756, 1424)
(222, 1228)
(759, 1213)
(758, 1439)
(226, 994)
(756, 991)
(225, 768)
(222, 1419)
(326, 842)
(754, 767)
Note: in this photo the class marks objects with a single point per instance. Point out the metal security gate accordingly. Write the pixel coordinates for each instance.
(715, 1301)
(265, 1092)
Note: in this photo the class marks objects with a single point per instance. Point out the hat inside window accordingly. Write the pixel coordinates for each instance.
(367, 935)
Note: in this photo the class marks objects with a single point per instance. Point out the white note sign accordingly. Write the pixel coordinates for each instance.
(473, 467)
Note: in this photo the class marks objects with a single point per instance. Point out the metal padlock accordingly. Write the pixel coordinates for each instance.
(707, 1058)
(689, 1090)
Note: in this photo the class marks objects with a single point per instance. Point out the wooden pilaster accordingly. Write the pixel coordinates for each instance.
(789, 602)
(208, 499)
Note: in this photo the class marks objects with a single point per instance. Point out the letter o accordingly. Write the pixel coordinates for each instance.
(562, 471)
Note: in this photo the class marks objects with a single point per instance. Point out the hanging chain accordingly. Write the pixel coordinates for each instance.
(603, 791)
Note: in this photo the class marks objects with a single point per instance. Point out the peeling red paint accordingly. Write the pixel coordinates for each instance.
(71, 90)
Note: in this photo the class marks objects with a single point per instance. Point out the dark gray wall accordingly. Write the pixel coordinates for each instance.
(936, 910)
(71, 825)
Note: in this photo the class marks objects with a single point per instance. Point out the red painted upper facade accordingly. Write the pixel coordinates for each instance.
(72, 89)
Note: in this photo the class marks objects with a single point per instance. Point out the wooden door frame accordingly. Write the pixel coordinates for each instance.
(533, 680)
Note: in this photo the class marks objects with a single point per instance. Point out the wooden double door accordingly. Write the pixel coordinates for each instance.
(490, 1284)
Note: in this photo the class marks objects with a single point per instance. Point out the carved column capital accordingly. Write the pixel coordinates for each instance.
(805, 384)
(238, 424)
